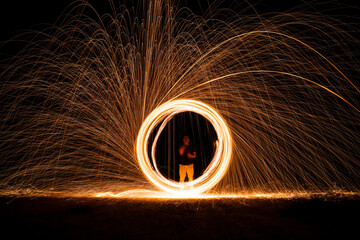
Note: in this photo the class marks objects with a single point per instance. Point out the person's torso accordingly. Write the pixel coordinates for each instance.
(185, 159)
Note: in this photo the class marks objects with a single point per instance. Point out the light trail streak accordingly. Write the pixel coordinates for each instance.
(281, 91)
(153, 195)
(147, 194)
(216, 169)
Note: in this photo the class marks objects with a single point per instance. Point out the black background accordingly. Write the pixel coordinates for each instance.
(17, 15)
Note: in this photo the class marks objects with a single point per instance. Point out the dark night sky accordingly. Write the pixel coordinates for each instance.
(23, 14)
(17, 15)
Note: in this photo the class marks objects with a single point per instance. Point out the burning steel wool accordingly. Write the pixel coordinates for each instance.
(84, 104)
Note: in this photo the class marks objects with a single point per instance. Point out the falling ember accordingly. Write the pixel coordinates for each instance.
(80, 102)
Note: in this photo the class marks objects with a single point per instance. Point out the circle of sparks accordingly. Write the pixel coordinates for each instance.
(217, 167)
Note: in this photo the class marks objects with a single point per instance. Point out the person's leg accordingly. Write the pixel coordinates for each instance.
(182, 172)
(187, 173)
(190, 172)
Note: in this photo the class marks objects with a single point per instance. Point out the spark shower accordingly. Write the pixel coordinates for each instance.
(285, 86)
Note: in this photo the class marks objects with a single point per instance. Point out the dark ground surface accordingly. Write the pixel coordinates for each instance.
(81, 218)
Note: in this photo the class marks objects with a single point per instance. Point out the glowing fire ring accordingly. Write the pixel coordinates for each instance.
(219, 164)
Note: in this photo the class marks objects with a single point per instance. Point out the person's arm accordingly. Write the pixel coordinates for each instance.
(193, 155)
(181, 150)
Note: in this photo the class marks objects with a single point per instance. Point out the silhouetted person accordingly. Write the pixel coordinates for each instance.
(187, 157)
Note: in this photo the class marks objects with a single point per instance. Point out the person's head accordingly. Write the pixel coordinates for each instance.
(186, 140)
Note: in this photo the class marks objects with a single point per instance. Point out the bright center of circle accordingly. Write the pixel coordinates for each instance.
(217, 167)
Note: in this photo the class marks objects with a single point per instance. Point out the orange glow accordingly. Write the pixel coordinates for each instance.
(149, 194)
(218, 166)
(81, 101)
